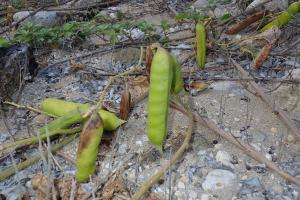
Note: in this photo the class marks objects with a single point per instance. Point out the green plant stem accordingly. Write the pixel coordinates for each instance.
(12, 170)
(28, 108)
(155, 178)
(35, 139)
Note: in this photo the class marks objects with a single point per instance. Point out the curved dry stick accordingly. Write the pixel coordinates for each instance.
(155, 178)
(280, 113)
(244, 147)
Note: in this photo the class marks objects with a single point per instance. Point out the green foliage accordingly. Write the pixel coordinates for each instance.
(226, 16)
(38, 35)
(191, 14)
(4, 42)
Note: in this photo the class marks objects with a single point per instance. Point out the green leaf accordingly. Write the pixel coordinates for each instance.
(226, 16)
(4, 42)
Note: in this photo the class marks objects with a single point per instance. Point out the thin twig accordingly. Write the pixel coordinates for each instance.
(244, 147)
(28, 108)
(35, 139)
(280, 113)
(11, 171)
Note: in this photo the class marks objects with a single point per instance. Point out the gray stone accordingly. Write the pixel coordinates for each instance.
(200, 4)
(251, 185)
(221, 182)
(44, 18)
(224, 158)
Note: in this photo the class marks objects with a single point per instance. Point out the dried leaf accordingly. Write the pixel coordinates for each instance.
(40, 183)
(109, 106)
(125, 104)
(64, 187)
(245, 23)
(198, 86)
(138, 89)
(149, 57)
(113, 186)
(262, 55)
(75, 66)
(153, 196)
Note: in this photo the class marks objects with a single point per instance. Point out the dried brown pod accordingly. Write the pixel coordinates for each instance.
(125, 104)
(148, 61)
(262, 55)
(245, 23)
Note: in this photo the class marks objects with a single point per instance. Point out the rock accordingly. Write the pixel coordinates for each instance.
(224, 158)
(222, 183)
(15, 193)
(200, 4)
(272, 6)
(277, 5)
(44, 18)
(250, 186)
(11, 71)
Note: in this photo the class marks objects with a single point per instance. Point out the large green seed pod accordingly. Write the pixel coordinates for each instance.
(200, 45)
(60, 108)
(177, 83)
(158, 103)
(88, 147)
(293, 8)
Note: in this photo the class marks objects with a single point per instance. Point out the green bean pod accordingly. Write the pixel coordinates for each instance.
(281, 20)
(158, 102)
(284, 17)
(177, 83)
(200, 45)
(88, 147)
(293, 8)
(60, 108)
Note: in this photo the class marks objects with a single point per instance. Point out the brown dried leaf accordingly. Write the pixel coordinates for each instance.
(125, 104)
(63, 186)
(245, 23)
(198, 86)
(40, 183)
(113, 186)
(153, 196)
(109, 106)
(138, 88)
(262, 55)
(149, 57)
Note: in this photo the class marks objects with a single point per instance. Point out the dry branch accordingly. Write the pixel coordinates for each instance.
(244, 147)
(280, 113)
(11, 171)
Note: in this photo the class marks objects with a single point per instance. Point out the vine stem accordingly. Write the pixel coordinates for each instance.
(156, 177)
(28, 108)
(35, 139)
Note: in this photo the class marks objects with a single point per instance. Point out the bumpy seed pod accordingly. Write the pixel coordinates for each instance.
(293, 8)
(284, 17)
(177, 83)
(281, 20)
(60, 108)
(158, 102)
(200, 45)
(88, 147)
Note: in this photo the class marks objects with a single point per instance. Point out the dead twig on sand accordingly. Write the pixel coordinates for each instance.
(244, 147)
(280, 113)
